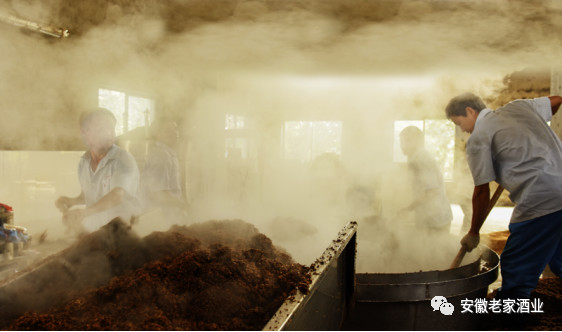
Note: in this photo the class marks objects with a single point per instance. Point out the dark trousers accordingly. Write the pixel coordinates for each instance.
(530, 246)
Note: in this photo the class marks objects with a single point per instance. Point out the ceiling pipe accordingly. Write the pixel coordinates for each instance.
(22, 23)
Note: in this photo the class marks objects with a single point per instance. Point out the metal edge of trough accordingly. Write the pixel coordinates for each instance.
(448, 287)
(318, 271)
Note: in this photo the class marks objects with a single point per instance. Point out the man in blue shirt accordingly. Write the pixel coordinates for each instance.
(515, 147)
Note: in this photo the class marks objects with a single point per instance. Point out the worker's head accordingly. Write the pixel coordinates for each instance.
(463, 110)
(411, 139)
(165, 130)
(97, 128)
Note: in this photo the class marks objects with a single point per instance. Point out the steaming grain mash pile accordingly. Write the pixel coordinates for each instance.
(218, 275)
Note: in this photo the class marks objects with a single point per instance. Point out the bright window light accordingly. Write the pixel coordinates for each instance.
(233, 122)
(398, 127)
(115, 102)
(131, 111)
(236, 144)
(236, 148)
(141, 112)
(305, 140)
(439, 137)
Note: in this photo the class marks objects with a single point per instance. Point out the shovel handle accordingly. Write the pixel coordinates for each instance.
(494, 199)
(458, 258)
(462, 251)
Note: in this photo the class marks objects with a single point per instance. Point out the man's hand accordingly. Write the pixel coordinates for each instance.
(64, 203)
(470, 241)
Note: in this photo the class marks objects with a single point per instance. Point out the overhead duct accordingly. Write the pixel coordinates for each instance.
(33, 26)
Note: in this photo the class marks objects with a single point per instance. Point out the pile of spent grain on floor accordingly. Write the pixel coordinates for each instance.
(546, 310)
(549, 291)
(218, 275)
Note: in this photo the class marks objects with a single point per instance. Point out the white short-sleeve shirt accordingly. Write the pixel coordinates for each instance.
(425, 175)
(514, 146)
(117, 169)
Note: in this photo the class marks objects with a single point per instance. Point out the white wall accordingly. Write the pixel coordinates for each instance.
(31, 181)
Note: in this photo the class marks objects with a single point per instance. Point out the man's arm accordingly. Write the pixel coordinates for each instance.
(111, 199)
(555, 102)
(63, 203)
(480, 202)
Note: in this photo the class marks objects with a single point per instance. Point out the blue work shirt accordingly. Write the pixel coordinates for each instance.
(515, 146)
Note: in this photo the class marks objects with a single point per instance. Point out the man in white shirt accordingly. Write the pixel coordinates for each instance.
(431, 206)
(515, 147)
(108, 176)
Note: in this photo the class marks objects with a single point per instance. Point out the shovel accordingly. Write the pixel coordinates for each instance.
(462, 251)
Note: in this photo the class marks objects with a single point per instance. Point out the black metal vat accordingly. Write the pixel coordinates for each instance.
(402, 301)
(341, 299)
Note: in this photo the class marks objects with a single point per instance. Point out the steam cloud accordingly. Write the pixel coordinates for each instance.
(366, 63)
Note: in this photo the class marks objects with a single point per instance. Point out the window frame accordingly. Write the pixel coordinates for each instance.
(124, 118)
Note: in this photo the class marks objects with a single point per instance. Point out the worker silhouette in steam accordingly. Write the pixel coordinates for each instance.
(515, 146)
(430, 204)
(461, 194)
(160, 183)
(108, 176)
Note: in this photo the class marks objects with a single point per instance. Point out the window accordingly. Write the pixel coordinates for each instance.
(439, 141)
(304, 140)
(236, 148)
(236, 144)
(398, 127)
(233, 122)
(131, 111)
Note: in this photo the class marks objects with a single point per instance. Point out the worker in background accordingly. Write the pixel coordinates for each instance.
(108, 176)
(462, 191)
(432, 208)
(515, 147)
(160, 184)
